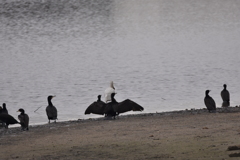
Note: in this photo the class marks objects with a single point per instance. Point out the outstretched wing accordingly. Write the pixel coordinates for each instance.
(96, 108)
(8, 119)
(127, 105)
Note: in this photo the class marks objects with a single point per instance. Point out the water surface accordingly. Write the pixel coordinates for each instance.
(161, 54)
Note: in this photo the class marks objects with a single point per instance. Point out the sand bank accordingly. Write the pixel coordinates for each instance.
(188, 134)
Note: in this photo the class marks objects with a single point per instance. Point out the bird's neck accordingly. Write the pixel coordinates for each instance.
(50, 103)
(99, 100)
(114, 100)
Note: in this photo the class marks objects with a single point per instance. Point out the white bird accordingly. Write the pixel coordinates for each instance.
(108, 92)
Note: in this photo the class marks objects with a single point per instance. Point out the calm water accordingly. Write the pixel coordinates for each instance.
(162, 54)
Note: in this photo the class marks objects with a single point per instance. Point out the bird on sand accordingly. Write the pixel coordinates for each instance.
(23, 118)
(51, 110)
(225, 96)
(4, 109)
(209, 102)
(0, 120)
(96, 107)
(7, 119)
(115, 108)
(108, 91)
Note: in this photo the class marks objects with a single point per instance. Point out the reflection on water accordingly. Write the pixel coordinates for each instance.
(161, 54)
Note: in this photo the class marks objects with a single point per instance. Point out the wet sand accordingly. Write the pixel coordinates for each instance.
(183, 135)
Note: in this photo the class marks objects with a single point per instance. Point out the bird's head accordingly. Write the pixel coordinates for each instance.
(225, 86)
(50, 97)
(113, 94)
(111, 85)
(99, 97)
(207, 92)
(21, 110)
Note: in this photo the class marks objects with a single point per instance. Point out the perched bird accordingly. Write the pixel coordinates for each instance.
(209, 102)
(51, 110)
(108, 92)
(109, 109)
(4, 109)
(8, 119)
(23, 118)
(114, 108)
(225, 96)
(0, 120)
(96, 107)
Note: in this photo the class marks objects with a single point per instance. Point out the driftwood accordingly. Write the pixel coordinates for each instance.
(231, 148)
(234, 155)
(37, 108)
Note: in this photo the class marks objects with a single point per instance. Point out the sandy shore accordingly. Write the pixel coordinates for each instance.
(183, 135)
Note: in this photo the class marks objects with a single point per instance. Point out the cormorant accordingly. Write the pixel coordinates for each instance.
(114, 108)
(209, 102)
(51, 110)
(109, 109)
(23, 118)
(0, 113)
(4, 109)
(7, 119)
(96, 107)
(108, 92)
(225, 96)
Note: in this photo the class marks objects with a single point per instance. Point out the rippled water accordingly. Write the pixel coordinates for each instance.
(162, 54)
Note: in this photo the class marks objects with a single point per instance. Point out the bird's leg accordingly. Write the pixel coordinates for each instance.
(55, 121)
(49, 121)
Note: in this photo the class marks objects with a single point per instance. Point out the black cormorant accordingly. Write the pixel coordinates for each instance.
(0, 113)
(96, 107)
(51, 110)
(4, 109)
(209, 102)
(114, 108)
(23, 118)
(225, 96)
(109, 109)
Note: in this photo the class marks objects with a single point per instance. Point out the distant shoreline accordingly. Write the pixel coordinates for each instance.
(176, 112)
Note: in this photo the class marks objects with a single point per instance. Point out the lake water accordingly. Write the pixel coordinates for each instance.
(161, 54)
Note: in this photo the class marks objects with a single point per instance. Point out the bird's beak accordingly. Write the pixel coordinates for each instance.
(53, 96)
(18, 111)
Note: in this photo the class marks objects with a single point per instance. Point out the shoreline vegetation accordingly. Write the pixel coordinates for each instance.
(185, 134)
